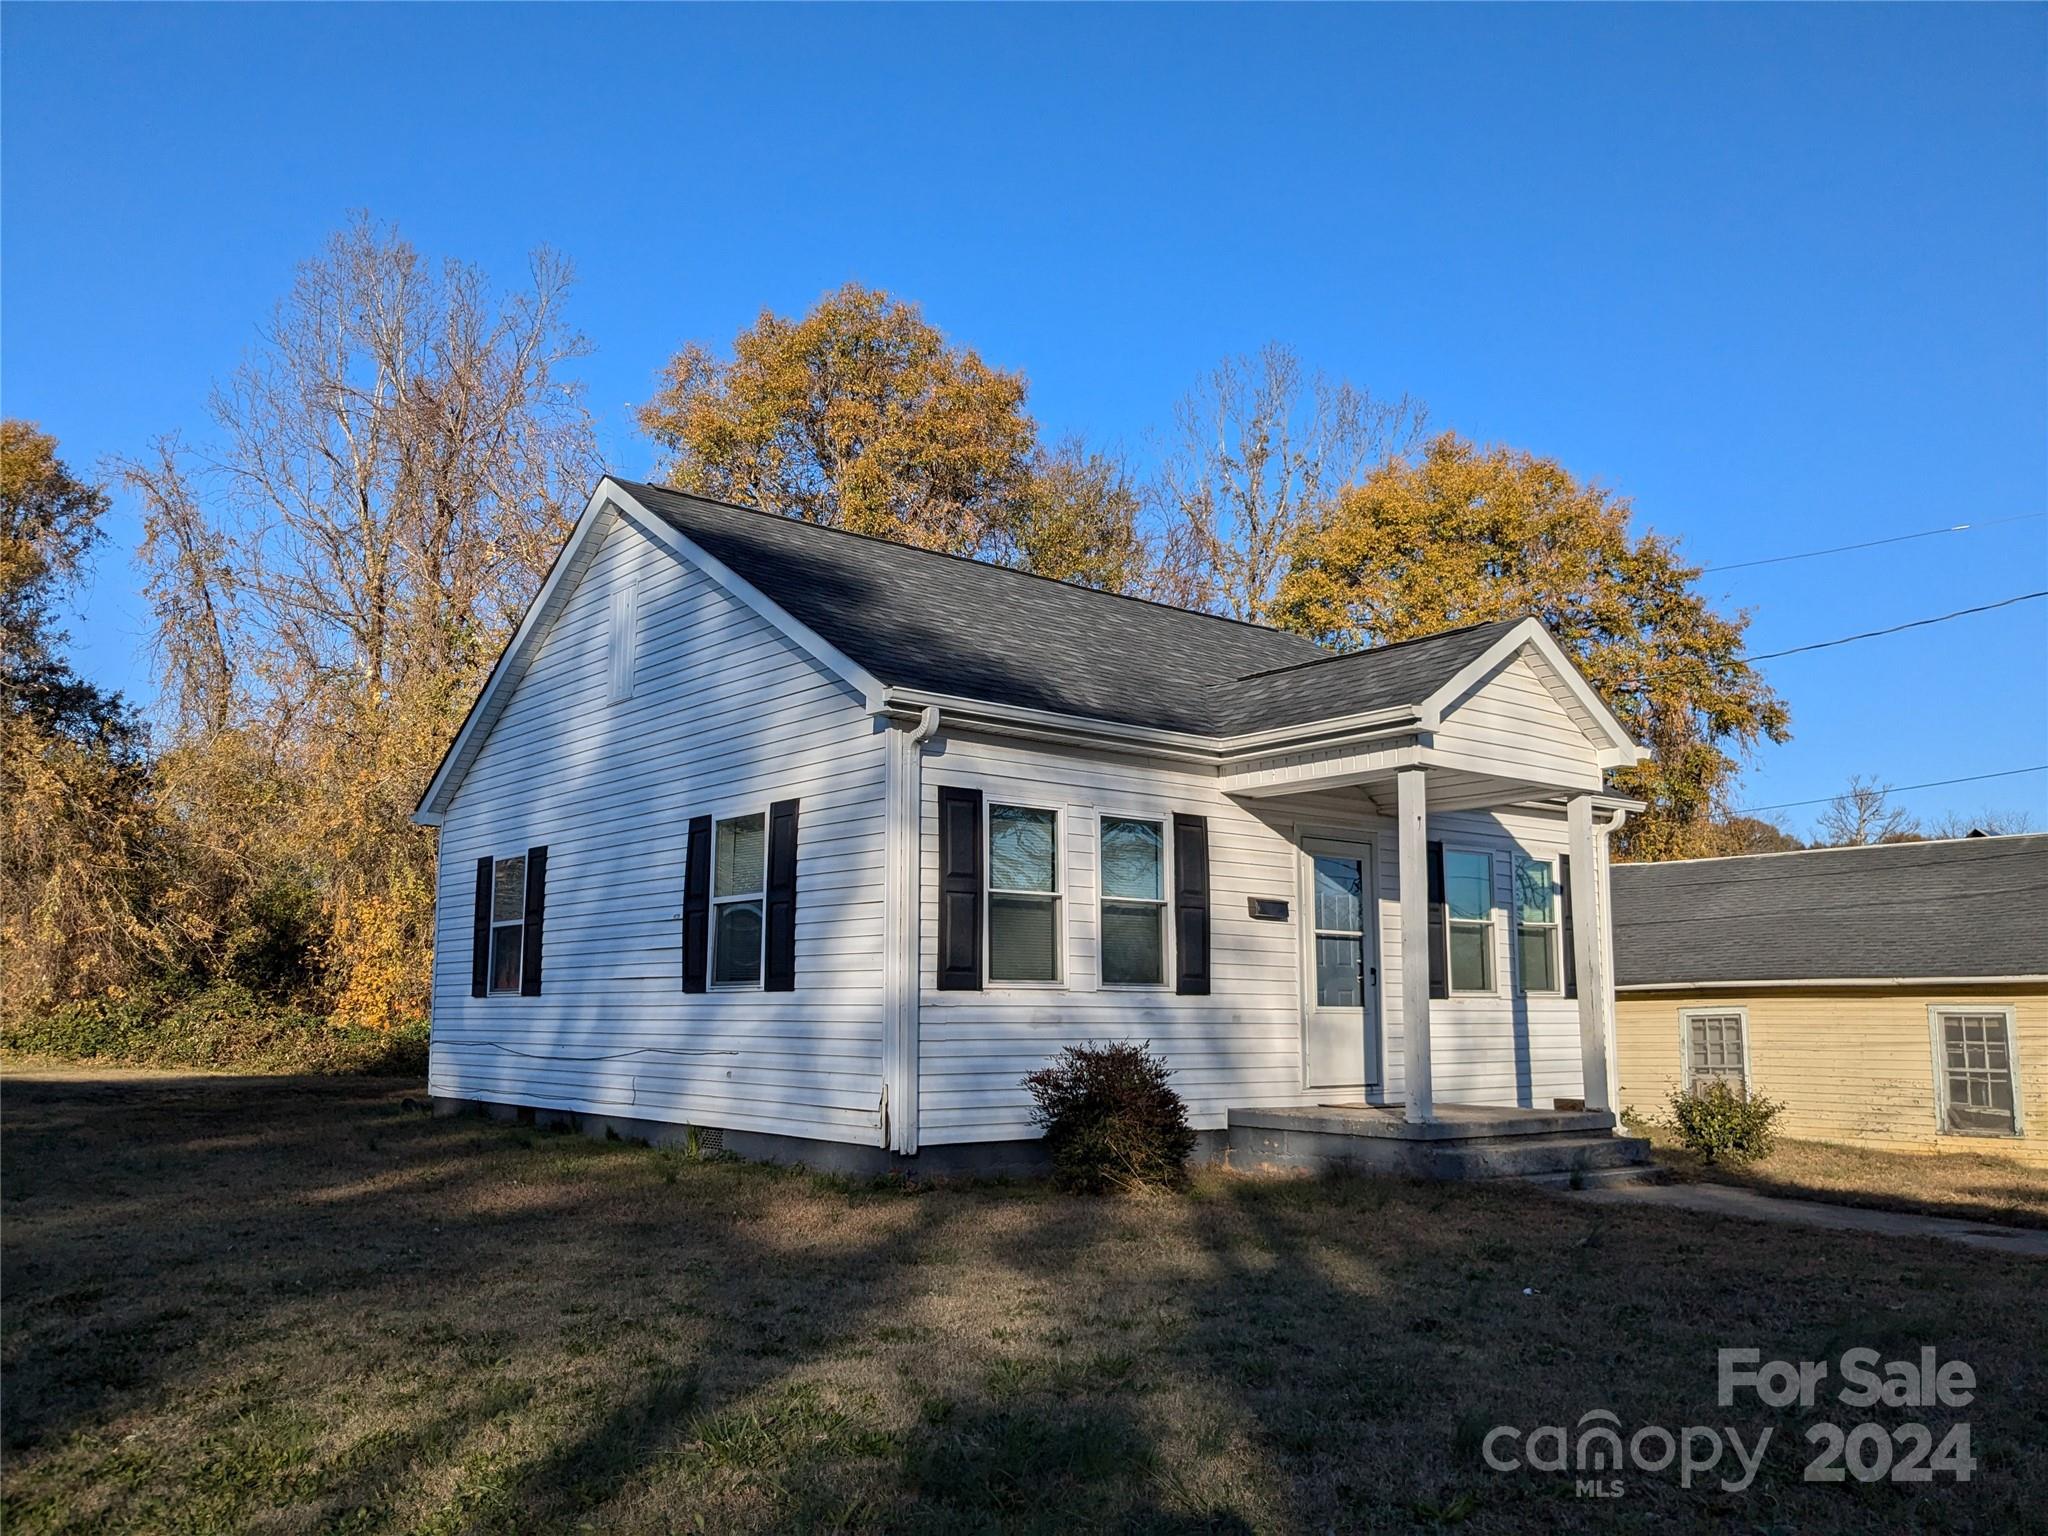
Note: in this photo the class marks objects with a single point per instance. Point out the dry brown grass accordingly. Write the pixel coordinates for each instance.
(290, 1305)
(1973, 1186)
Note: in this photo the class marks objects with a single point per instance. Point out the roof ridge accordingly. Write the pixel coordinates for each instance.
(1380, 650)
(987, 565)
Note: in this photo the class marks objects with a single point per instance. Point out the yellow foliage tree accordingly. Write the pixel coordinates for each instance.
(860, 414)
(1460, 535)
(389, 479)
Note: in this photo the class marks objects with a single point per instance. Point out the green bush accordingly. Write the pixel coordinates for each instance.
(1111, 1119)
(222, 1027)
(1723, 1124)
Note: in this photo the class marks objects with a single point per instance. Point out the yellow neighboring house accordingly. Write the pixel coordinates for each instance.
(1894, 996)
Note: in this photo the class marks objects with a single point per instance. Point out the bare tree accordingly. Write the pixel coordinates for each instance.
(397, 463)
(1258, 448)
(1862, 814)
(1989, 822)
(390, 473)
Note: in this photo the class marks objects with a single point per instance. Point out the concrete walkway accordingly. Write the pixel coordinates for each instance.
(1726, 1200)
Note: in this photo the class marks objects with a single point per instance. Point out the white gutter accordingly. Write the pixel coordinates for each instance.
(1834, 981)
(1149, 741)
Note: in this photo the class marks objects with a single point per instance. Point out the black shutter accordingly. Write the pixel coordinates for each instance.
(480, 940)
(778, 973)
(1191, 905)
(536, 907)
(1564, 907)
(959, 959)
(1439, 938)
(697, 905)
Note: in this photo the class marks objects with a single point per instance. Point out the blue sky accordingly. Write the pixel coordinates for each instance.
(1779, 274)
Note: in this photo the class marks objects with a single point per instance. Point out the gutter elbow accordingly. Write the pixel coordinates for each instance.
(927, 726)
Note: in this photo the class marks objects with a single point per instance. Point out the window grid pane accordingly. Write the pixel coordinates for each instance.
(1340, 895)
(1471, 957)
(1978, 1085)
(1340, 972)
(1022, 931)
(1716, 1047)
(1133, 943)
(1133, 859)
(1021, 854)
(508, 943)
(1468, 885)
(736, 945)
(508, 890)
(1538, 960)
(1535, 891)
(741, 864)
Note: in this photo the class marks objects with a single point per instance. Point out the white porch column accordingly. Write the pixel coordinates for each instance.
(1592, 953)
(1412, 818)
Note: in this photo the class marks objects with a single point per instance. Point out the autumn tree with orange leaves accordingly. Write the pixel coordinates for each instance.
(1461, 535)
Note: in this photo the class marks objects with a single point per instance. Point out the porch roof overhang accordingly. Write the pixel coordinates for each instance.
(1454, 782)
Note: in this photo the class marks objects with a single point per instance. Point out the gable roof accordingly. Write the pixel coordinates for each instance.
(943, 624)
(1958, 908)
(909, 627)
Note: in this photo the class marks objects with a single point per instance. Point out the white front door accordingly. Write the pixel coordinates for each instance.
(1340, 965)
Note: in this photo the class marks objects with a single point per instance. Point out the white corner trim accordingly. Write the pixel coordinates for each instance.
(1622, 751)
(806, 639)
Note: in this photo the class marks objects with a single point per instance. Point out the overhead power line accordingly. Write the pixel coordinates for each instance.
(1897, 538)
(1898, 789)
(1872, 634)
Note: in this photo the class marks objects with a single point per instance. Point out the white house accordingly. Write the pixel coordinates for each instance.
(821, 843)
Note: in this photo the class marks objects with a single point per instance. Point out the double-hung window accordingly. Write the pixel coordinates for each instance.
(1538, 964)
(508, 922)
(1133, 902)
(1468, 901)
(1715, 1047)
(1973, 1071)
(739, 881)
(1023, 894)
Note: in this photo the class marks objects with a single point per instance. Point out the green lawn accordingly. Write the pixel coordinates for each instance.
(293, 1305)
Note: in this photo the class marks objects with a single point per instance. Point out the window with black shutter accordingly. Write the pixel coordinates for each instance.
(959, 957)
(1191, 905)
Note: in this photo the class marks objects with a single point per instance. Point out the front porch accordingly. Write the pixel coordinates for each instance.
(1457, 1141)
(1406, 798)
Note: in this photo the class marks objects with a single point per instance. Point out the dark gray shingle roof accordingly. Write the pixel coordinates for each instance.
(1967, 907)
(918, 619)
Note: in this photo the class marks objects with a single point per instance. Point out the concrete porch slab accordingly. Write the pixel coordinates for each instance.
(1453, 1122)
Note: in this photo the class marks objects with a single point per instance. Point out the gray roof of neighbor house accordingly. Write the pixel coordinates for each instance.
(943, 624)
(1974, 906)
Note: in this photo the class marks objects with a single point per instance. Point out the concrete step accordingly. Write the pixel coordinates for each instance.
(1597, 1178)
(1454, 1122)
(1524, 1157)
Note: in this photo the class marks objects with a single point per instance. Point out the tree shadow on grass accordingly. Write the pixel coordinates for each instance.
(480, 1327)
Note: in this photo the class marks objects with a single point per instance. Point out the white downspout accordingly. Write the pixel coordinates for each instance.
(904, 788)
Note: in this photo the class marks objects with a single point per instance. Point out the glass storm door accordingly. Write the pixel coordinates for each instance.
(1340, 1044)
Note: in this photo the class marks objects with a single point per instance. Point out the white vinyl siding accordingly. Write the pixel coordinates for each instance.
(1517, 722)
(726, 716)
(1240, 1046)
